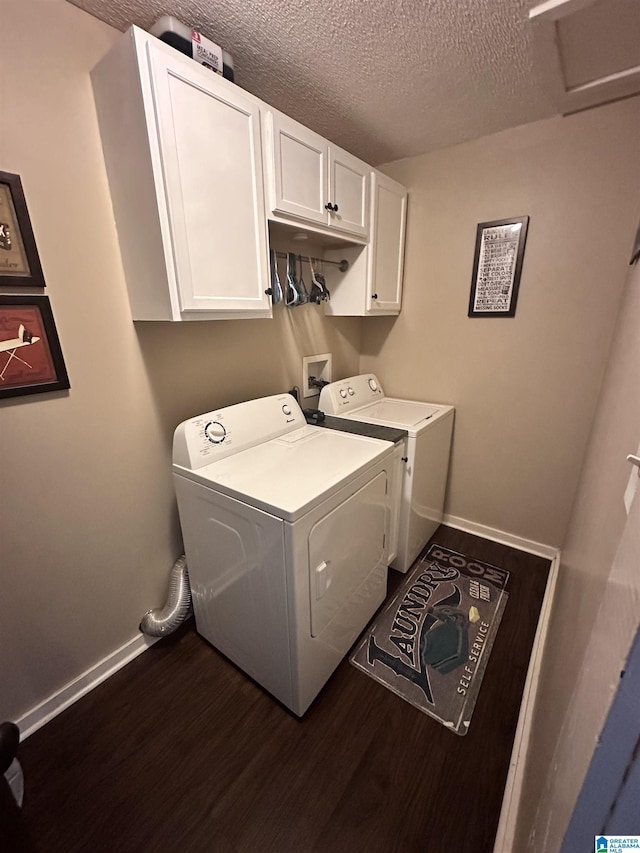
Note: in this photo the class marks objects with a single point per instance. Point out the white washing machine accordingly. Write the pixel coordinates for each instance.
(428, 448)
(286, 531)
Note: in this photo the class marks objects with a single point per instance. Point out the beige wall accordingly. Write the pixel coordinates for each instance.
(89, 530)
(596, 614)
(525, 389)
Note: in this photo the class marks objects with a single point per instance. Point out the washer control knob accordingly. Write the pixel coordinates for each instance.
(343, 394)
(373, 385)
(286, 410)
(215, 432)
(350, 391)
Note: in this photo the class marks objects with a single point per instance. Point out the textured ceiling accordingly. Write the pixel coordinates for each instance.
(385, 79)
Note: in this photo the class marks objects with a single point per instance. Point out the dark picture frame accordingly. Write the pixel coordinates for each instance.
(19, 259)
(31, 360)
(497, 267)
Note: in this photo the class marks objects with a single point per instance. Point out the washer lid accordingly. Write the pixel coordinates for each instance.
(405, 414)
(289, 475)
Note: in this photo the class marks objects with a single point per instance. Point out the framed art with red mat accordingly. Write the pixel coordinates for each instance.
(31, 360)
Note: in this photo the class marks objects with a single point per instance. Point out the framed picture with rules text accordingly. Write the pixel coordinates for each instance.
(497, 267)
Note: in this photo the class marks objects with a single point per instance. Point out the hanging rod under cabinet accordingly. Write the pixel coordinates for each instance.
(342, 265)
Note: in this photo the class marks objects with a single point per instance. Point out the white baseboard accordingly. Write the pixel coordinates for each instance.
(505, 835)
(70, 693)
(495, 535)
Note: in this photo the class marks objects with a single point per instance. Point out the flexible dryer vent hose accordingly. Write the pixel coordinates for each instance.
(165, 620)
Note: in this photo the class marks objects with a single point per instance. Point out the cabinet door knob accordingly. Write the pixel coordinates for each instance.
(269, 291)
(328, 206)
(335, 208)
(374, 295)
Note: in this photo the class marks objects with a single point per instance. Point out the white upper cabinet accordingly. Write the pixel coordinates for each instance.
(298, 169)
(184, 160)
(348, 192)
(190, 158)
(386, 252)
(372, 285)
(313, 180)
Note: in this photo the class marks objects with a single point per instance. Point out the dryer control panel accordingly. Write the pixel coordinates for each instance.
(348, 394)
(214, 435)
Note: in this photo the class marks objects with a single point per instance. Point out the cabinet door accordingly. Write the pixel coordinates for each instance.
(349, 192)
(212, 171)
(298, 170)
(386, 255)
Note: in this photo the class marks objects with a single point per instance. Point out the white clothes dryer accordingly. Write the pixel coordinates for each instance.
(428, 447)
(286, 530)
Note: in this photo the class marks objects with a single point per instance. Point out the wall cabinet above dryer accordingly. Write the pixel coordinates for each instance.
(314, 181)
(183, 153)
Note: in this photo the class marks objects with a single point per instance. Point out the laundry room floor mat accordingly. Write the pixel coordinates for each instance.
(431, 643)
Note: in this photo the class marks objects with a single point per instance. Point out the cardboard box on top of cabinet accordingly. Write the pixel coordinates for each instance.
(192, 43)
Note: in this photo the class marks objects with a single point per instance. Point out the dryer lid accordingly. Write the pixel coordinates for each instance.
(289, 475)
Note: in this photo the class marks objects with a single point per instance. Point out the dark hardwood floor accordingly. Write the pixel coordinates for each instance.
(179, 751)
